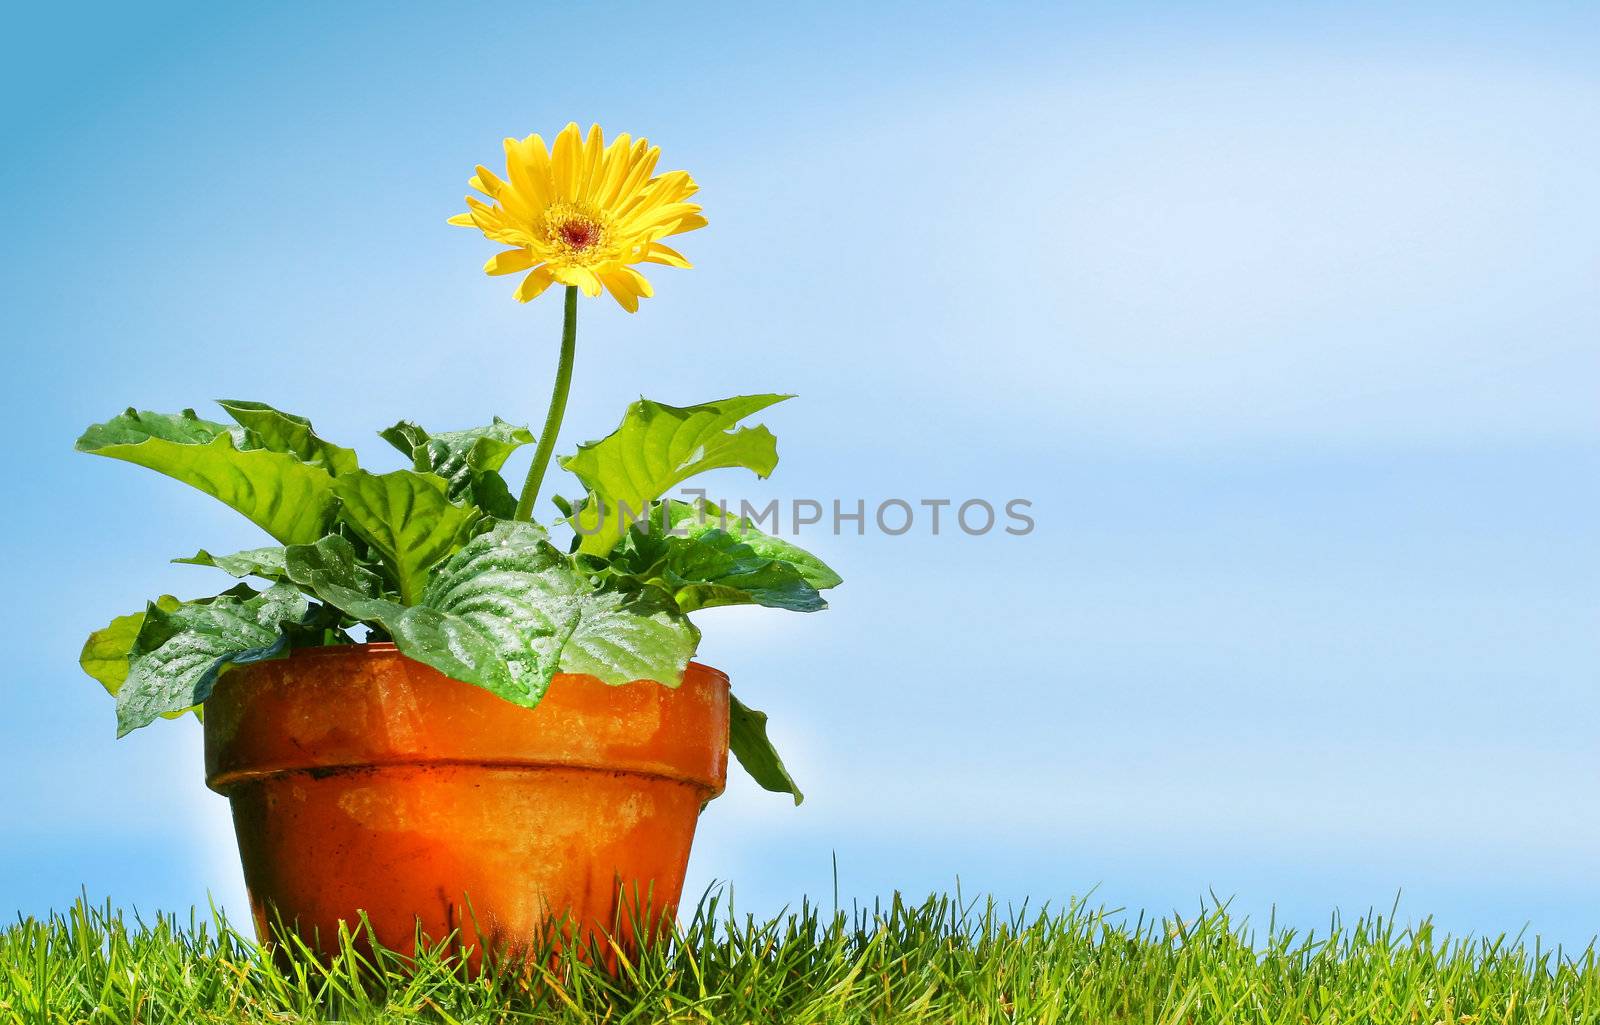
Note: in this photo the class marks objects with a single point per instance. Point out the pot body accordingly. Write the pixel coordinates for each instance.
(363, 782)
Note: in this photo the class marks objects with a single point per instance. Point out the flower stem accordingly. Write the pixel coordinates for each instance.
(558, 407)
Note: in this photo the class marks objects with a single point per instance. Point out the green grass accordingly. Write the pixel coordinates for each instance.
(938, 961)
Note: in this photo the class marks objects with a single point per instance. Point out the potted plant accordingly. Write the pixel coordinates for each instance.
(425, 711)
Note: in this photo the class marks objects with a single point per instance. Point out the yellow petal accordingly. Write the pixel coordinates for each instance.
(613, 170)
(492, 221)
(689, 223)
(590, 164)
(641, 162)
(675, 186)
(509, 262)
(486, 182)
(641, 284)
(564, 163)
(621, 290)
(484, 216)
(528, 164)
(583, 277)
(672, 187)
(463, 220)
(588, 280)
(534, 284)
(658, 253)
(668, 190)
(665, 216)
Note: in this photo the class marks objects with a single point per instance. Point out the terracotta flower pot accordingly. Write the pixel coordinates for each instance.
(362, 781)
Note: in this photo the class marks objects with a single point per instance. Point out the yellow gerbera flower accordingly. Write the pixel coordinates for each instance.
(582, 213)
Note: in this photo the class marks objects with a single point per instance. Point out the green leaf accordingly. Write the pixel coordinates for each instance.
(490, 492)
(469, 461)
(482, 621)
(406, 435)
(286, 432)
(505, 611)
(408, 519)
(699, 518)
(105, 653)
(330, 570)
(518, 588)
(747, 739)
(714, 568)
(178, 653)
(656, 447)
(289, 499)
(622, 636)
(451, 453)
(266, 563)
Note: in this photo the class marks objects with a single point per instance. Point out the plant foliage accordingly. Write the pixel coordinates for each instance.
(431, 557)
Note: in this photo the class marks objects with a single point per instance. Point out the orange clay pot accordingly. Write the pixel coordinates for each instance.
(364, 782)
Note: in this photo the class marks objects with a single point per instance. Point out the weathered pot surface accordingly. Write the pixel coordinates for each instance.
(364, 782)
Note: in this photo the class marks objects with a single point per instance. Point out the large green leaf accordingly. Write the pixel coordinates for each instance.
(622, 636)
(514, 585)
(490, 492)
(178, 653)
(408, 519)
(656, 447)
(747, 739)
(105, 653)
(695, 519)
(288, 498)
(266, 563)
(406, 436)
(714, 568)
(469, 461)
(331, 570)
(452, 454)
(506, 611)
(482, 621)
(286, 432)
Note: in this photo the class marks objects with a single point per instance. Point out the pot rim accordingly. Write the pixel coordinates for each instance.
(286, 729)
(390, 648)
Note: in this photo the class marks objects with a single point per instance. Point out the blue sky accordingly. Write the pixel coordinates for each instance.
(1283, 319)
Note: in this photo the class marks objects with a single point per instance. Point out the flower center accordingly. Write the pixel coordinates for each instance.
(578, 233)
